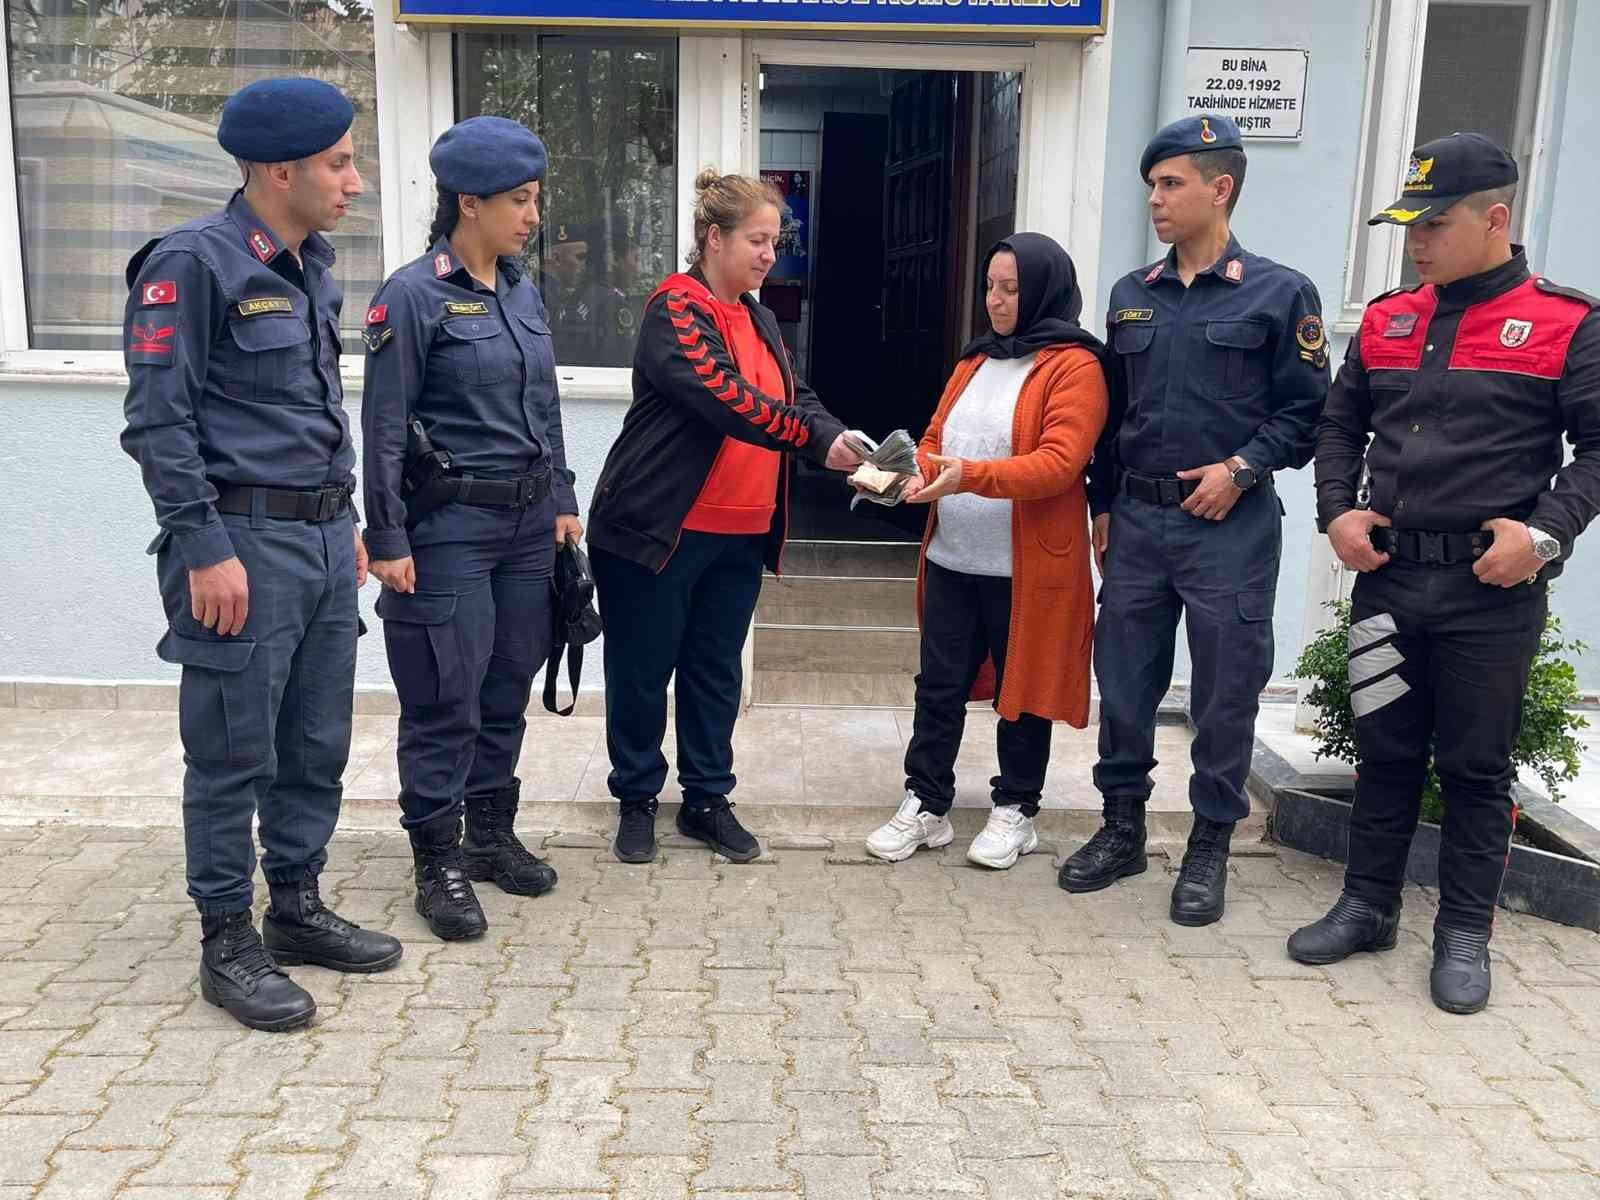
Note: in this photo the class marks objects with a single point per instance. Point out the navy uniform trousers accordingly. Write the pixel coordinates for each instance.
(264, 716)
(464, 649)
(1221, 577)
(1438, 662)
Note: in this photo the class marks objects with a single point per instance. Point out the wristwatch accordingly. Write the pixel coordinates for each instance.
(1545, 546)
(1244, 475)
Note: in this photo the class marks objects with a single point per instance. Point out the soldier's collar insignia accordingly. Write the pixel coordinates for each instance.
(1155, 272)
(442, 264)
(1514, 333)
(265, 304)
(466, 308)
(1234, 271)
(261, 245)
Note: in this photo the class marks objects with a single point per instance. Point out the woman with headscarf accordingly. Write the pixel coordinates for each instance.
(1004, 597)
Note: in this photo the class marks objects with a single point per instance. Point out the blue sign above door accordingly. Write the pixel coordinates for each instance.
(1075, 18)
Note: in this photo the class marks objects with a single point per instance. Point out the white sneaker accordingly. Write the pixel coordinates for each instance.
(1007, 835)
(908, 829)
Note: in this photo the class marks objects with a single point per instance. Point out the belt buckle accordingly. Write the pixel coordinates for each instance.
(329, 502)
(1170, 491)
(1431, 548)
(524, 491)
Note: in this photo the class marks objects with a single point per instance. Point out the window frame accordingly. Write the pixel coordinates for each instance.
(1388, 134)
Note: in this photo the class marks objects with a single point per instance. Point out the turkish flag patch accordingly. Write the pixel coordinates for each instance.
(377, 314)
(164, 292)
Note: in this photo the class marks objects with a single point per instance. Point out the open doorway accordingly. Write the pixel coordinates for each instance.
(895, 181)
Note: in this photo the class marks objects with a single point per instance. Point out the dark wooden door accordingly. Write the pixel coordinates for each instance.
(847, 313)
(918, 227)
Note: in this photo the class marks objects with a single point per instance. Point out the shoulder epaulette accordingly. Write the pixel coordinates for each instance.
(1555, 289)
(1395, 292)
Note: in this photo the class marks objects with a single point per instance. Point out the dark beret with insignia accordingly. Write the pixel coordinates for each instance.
(1192, 135)
(282, 120)
(485, 155)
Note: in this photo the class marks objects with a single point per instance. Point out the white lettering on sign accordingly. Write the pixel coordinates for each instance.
(1263, 90)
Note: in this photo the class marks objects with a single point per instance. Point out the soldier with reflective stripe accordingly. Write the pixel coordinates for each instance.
(1465, 385)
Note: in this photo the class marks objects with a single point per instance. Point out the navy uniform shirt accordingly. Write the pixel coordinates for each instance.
(476, 365)
(232, 349)
(1236, 363)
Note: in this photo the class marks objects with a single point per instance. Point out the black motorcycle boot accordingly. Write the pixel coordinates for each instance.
(1459, 980)
(716, 826)
(1352, 925)
(445, 899)
(1201, 891)
(238, 975)
(1116, 850)
(300, 929)
(493, 851)
(636, 832)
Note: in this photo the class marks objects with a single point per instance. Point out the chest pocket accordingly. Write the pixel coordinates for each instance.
(542, 359)
(267, 360)
(1235, 358)
(476, 350)
(1132, 344)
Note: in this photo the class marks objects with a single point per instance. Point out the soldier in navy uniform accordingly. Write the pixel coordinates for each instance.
(459, 354)
(1219, 369)
(236, 418)
(1465, 384)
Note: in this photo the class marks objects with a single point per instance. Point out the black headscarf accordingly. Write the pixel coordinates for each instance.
(1048, 303)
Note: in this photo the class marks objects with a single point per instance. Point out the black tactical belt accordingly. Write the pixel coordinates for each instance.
(488, 493)
(286, 504)
(1432, 549)
(1152, 490)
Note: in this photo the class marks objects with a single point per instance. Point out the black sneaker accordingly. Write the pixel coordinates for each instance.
(299, 928)
(716, 826)
(1459, 980)
(636, 832)
(239, 975)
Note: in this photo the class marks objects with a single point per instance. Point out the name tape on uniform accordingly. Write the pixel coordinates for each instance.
(265, 304)
(466, 308)
(1133, 314)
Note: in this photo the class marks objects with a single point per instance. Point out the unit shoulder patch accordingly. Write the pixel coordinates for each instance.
(376, 340)
(150, 342)
(265, 304)
(466, 308)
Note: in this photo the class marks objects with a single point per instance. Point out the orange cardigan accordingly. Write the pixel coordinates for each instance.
(1060, 413)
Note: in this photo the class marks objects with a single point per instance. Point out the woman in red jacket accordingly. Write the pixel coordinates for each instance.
(1004, 573)
(691, 504)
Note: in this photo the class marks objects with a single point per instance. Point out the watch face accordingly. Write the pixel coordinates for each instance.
(1244, 479)
(1547, 549)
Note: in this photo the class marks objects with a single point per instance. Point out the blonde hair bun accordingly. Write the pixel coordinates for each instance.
(726, 201)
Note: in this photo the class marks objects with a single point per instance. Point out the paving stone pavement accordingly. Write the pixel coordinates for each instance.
(812, 1024)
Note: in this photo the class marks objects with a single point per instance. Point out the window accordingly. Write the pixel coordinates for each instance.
(115, 104)
(606, 108)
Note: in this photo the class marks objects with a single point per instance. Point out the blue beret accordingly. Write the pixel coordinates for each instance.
(281, 120)
(484, 155)
(1190, 136)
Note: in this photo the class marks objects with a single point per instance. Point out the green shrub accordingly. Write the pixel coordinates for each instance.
(1545, 742)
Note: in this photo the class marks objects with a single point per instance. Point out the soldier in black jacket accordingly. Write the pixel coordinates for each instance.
(1466, 384)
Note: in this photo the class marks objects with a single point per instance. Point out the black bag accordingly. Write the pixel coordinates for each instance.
(575, 619)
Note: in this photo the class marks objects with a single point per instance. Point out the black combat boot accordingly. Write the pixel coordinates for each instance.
(1459, 980)
(714, 824)
(1201, 890)
(445, 899)
(636, 832)
(239, 976)
(1353, 924)
(492, 850)
(1115, 850)
(299, 928)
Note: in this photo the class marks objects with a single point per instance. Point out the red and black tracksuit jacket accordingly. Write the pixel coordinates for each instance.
(687, 397)
(1467, 390)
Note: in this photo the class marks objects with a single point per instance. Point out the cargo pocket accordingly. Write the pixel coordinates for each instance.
(423, 645)
(1255, 606)
(222, 698)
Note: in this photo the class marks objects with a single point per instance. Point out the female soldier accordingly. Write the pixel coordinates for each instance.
(467, 497)
(690, 504)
